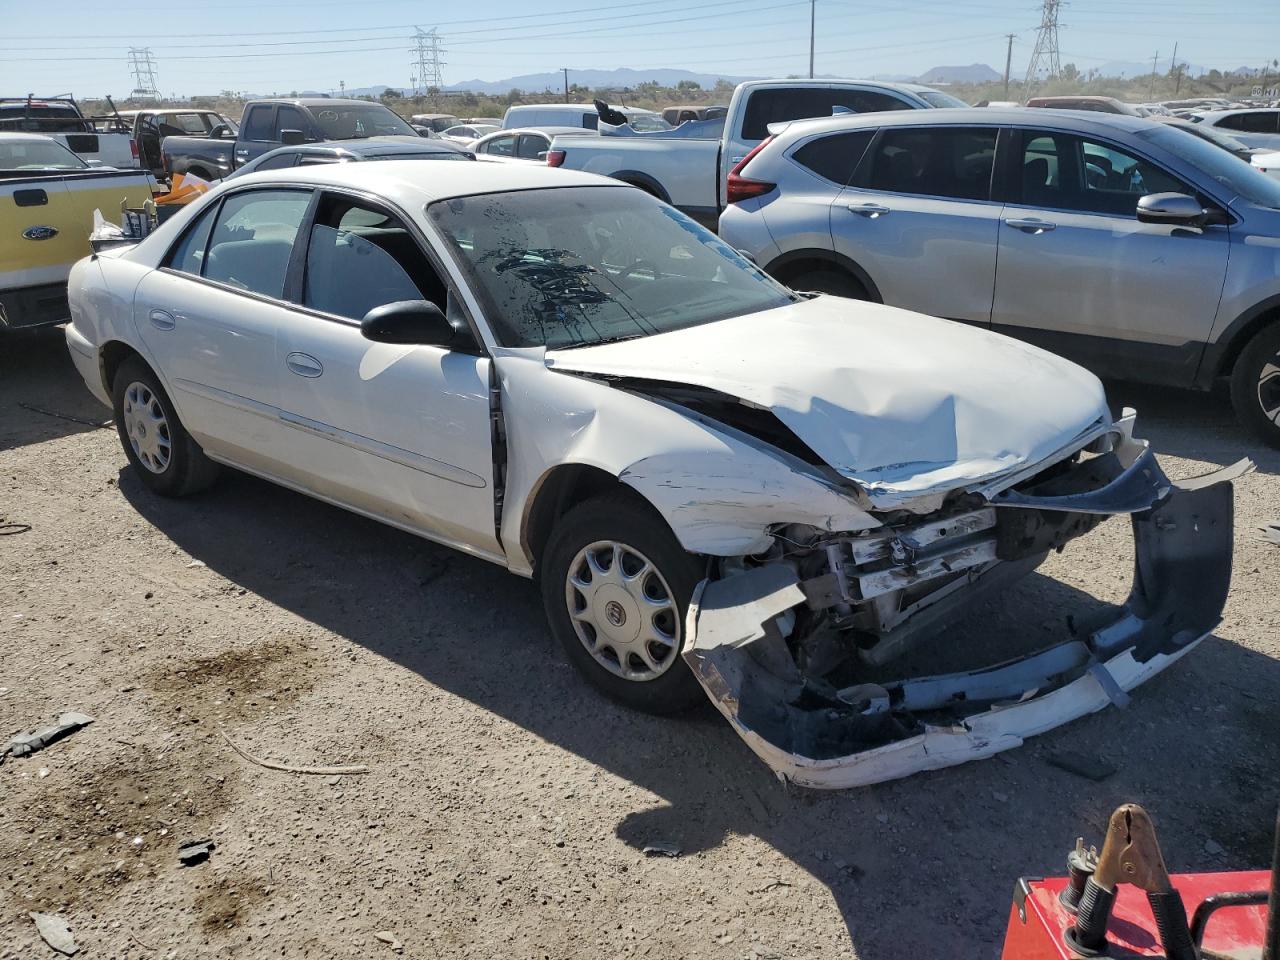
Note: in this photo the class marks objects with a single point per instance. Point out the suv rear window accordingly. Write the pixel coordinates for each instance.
(802, 103)
(834, 157)
(933, 162)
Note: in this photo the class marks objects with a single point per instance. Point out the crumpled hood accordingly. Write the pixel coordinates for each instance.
(903, 404)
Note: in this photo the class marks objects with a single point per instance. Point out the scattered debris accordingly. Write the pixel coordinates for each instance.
(662, 848)
(1081, 764)
(26, 743)
(1269, 532)
(12, 529)
(100, 424)
(290, 768)
(194, 851)
(390, 939)
(197, 563)
(773, 884)
(144, 946)
(55, 932)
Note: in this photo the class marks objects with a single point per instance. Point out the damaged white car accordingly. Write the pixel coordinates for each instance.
(719, 484)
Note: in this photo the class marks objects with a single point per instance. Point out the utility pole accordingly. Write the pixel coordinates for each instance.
(565, 71)
(813, 20)
(1173, 61)
(1008, 62)
(1045, 55)
(1153, 75)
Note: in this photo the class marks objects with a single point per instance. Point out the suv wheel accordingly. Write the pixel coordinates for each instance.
(1255, 385)
(835, 282)
(163, 455)
(616, 586)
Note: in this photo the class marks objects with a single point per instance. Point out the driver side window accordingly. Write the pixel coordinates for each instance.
(1066, 172)
(501, 147)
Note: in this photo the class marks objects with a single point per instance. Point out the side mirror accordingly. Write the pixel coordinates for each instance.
(220, 131)
(1171, 208)
(409, 321)
(291, 138)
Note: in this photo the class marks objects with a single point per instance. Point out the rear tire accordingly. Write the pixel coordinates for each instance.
(163, 455)
(832, 281)
(1255, 385)
(616, 586)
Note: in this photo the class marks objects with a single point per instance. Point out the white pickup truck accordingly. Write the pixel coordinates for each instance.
(104, 141)
(689, 166)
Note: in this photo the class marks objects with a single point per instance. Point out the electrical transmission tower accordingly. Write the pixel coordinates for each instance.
(427, 59)
(1044, 58)
(143, 67)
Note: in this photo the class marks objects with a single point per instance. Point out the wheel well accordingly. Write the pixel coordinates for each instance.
(792, 265)
(1241, 339)
(563, 488)
(112, 354)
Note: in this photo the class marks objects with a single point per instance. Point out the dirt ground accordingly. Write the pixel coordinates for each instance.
(507, 805)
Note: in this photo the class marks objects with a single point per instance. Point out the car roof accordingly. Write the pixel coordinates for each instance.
(551, 106)
(373, 146)
(1217, 114)
(314, 101)
(1082, 119)
(410, 183)
(23, 136)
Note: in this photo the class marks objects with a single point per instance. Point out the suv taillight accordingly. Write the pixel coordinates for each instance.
(555, 158)
(738, 187)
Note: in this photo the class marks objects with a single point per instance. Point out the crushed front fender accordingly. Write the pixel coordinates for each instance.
(815, 736)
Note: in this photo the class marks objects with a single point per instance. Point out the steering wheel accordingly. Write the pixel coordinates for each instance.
(635, 265)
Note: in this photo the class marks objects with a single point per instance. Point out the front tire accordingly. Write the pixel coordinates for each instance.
(616, 586)
(836, 283)
(1255, 385)
(163, 455)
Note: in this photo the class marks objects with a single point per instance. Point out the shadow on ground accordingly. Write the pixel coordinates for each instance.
(952, 841)
(36, 372)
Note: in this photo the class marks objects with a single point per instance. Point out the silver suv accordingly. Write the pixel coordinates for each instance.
(1133, 247)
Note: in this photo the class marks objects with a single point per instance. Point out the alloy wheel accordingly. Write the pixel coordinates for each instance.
(623, 610)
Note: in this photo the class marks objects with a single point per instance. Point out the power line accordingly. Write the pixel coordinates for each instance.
(143, 67)
(1045, 56)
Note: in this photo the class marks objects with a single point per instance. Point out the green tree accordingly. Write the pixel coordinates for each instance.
(689, 86)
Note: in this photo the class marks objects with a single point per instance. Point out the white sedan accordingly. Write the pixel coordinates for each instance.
(524, 144)
(716, 481)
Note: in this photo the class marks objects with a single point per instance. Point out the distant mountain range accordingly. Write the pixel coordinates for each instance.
(973, 73)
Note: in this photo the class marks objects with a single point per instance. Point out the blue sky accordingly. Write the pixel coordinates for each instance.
(82, 47)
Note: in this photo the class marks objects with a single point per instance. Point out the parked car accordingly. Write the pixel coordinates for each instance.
(105, 140)
(437, 123)
(523, 144)
(47, 198)
(468, 133)
(150, 127)
(1130, 246)
(687, 167)
(683, 114)
(374, 148)
(1257, 128)
(1096, 104)
(575, 115)
(562, 375)
(1212, 134)
(267, 124)
(1268, 163)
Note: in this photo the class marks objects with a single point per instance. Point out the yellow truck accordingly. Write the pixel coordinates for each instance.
(47, 199)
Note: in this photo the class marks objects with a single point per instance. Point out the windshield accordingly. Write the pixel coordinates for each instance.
(1216, 136)
(936, 98)
(354, 122)
(573, 266)
(1237, 175)
(647, 122)
(37, 155)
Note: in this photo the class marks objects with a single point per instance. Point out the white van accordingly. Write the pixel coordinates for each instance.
(551, 115)
(584, 115)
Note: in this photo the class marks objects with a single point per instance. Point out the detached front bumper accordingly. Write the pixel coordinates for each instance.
(816, 736)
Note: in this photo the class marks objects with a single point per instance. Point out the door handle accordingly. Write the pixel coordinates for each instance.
(1031, 226)
(869, 210)
(162, 320)
(304, 365)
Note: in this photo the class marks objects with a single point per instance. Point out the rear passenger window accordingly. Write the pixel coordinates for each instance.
(532, 146)
(253, 240)
(935, 162)
(1261, 122)
(361, 257)
(187, 254)
(834, 157)
(800, 103)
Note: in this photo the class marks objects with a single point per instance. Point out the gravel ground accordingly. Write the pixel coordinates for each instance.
(507, 805)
